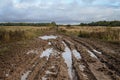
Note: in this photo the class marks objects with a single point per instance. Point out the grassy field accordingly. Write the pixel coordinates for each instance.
(18, 33)
(13, 28)
(111, 34)
(88, 28)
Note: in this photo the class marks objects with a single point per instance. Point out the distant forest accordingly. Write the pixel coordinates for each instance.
(102, 23)
(28, 24)
(99, 23)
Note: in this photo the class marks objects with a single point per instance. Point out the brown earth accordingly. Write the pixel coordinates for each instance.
(97, 61)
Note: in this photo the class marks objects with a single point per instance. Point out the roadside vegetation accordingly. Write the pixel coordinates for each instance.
(108, 34)
(21, 33)
(111, 35)
(13, 34)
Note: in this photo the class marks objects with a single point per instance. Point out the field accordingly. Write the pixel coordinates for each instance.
(18, 33)
(66, 53)
(88, 28)
(111, 34)
(13, 28)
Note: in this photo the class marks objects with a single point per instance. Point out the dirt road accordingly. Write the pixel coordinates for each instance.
(59, 57)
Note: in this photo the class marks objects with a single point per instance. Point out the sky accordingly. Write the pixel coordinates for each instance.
(60, 11)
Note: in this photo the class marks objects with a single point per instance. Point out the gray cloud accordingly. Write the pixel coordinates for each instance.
(88, 1)
(62, 12)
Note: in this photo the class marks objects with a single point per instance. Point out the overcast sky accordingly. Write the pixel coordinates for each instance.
(60, 11)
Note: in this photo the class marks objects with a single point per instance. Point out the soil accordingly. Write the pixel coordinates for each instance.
(63, 58)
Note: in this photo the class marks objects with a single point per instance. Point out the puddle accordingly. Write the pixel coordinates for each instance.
(68, 59)
(92, 54)
(46, 53)
(76, 54)
(49, 43)
(43, 78)
(97, 51)
(25, 75)
(48, 37)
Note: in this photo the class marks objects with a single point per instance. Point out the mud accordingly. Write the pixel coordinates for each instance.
(60, 57)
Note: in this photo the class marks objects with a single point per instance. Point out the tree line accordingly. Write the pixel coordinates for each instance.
(102, 23)
(98, 23)
(28, 24)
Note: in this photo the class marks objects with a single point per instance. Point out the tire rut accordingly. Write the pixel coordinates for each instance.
(66, 58)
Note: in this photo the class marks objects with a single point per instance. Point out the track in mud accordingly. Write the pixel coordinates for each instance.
(64, 58)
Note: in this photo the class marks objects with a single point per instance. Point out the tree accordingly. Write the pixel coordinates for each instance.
(53, 24)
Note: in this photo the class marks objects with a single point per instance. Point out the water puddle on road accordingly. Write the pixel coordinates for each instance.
(46, 53)
(76, 54)
(92, 54)
(25, 75)
(81, 66)
(48, 37)
(68, 59)
(49, 43)
(97, 51)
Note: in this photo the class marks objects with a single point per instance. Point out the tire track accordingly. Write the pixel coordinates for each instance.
(105, 69)
(65, 58)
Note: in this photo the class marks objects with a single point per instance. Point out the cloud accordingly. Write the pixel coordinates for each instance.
(64, 11)
(88, 1)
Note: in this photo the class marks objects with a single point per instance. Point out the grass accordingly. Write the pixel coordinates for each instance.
(87, 28)
(14, 28)
(109, 34)
(17, 33)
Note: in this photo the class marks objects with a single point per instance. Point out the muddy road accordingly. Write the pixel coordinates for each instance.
(60, 57)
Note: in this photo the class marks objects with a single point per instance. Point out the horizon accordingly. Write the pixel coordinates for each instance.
(58, 23)
(62, 12)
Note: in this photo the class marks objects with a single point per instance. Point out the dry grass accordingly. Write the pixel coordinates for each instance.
(14, 28)
(18, 33)
(87, 28)
(111, 34)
